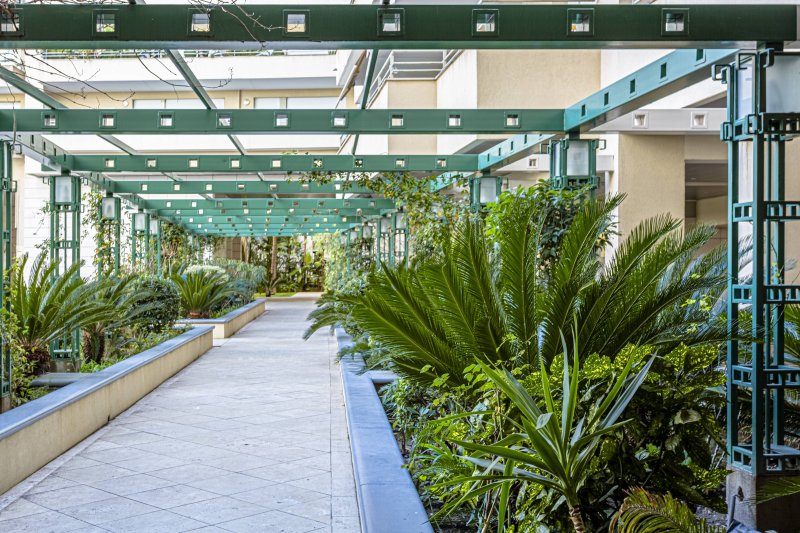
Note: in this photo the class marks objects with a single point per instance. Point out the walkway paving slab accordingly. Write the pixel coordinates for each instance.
(251, 437)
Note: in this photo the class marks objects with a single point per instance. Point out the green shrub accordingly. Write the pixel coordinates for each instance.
(210, 269)
(202, 292)
(163, 295)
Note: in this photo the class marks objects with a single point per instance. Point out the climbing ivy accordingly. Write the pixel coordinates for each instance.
(427, 206)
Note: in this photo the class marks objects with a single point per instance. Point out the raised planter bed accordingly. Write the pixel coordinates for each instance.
(388, 501)
(225, 326)
(37, 432)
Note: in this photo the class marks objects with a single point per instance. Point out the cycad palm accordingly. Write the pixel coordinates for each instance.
(202, 292)
(50, 306)
(130, 307)
(498, 303)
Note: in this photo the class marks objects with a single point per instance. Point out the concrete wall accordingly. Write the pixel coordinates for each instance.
(34, 434)
(651, 171)
(226, 326)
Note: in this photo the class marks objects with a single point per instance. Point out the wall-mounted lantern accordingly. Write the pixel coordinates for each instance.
(573, 163)
(386, 225)
(110, 208)
(67, 188)
(400, 220)
(141, 221)
(485, 190)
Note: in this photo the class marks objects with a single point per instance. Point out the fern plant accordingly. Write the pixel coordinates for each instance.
(643, 512)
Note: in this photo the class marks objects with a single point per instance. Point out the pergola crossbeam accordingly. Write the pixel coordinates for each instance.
(327, 27)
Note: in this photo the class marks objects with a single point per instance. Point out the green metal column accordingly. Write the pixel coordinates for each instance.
(6, 206)
(390, 238)
(347, 250)
(400, 246)
(140, 239)
(65, 247)
(110, 221)
(760, 121)
(154, 229)
(377, 239)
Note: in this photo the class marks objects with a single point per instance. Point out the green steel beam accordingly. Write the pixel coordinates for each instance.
(261, 218)
(263, 204)
(667, 75)
(258, 234)
(510, 150)
(31, 90)
(673, 72)
(422, 26)
(222, 225)
(274, 163)
(373, 60)
(281, 214)
(245, 188)
(280, 121)
(199, 90)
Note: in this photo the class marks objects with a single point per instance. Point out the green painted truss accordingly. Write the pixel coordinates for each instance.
(325, 27)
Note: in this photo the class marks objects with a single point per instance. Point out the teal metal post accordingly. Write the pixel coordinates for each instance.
(65, 246)
(400, 246)
(154, 228)
(110, 216)
(347, 250)
(140, 239)
(6, 198)
(391, 238)
(761, 118)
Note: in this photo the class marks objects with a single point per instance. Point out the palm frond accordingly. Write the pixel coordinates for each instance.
(775, 489)
(643, 512)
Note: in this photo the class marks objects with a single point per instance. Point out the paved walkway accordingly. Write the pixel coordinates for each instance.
(252, 437)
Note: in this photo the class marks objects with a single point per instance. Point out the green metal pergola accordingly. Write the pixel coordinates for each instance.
(247, 194)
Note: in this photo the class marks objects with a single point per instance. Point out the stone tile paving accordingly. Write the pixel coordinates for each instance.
(252, 437)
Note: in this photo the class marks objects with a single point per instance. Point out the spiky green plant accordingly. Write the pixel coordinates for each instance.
(554, 445)
(494, 301)
(49, 306)
(643, 512)
(202, 292)
(132, 305)
(778, 488)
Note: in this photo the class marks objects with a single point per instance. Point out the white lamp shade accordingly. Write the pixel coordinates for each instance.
(386, 225)
(783, 80)
(64, 191)
(342, 239)
(140, 221)
(400, 221)
(353, 235)
(578, 158)
(744, 90)
(155, 226)
(367, 232)
(488, 192)
(109, 208)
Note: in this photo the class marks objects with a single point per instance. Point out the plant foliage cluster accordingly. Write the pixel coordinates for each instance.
(542, 384)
